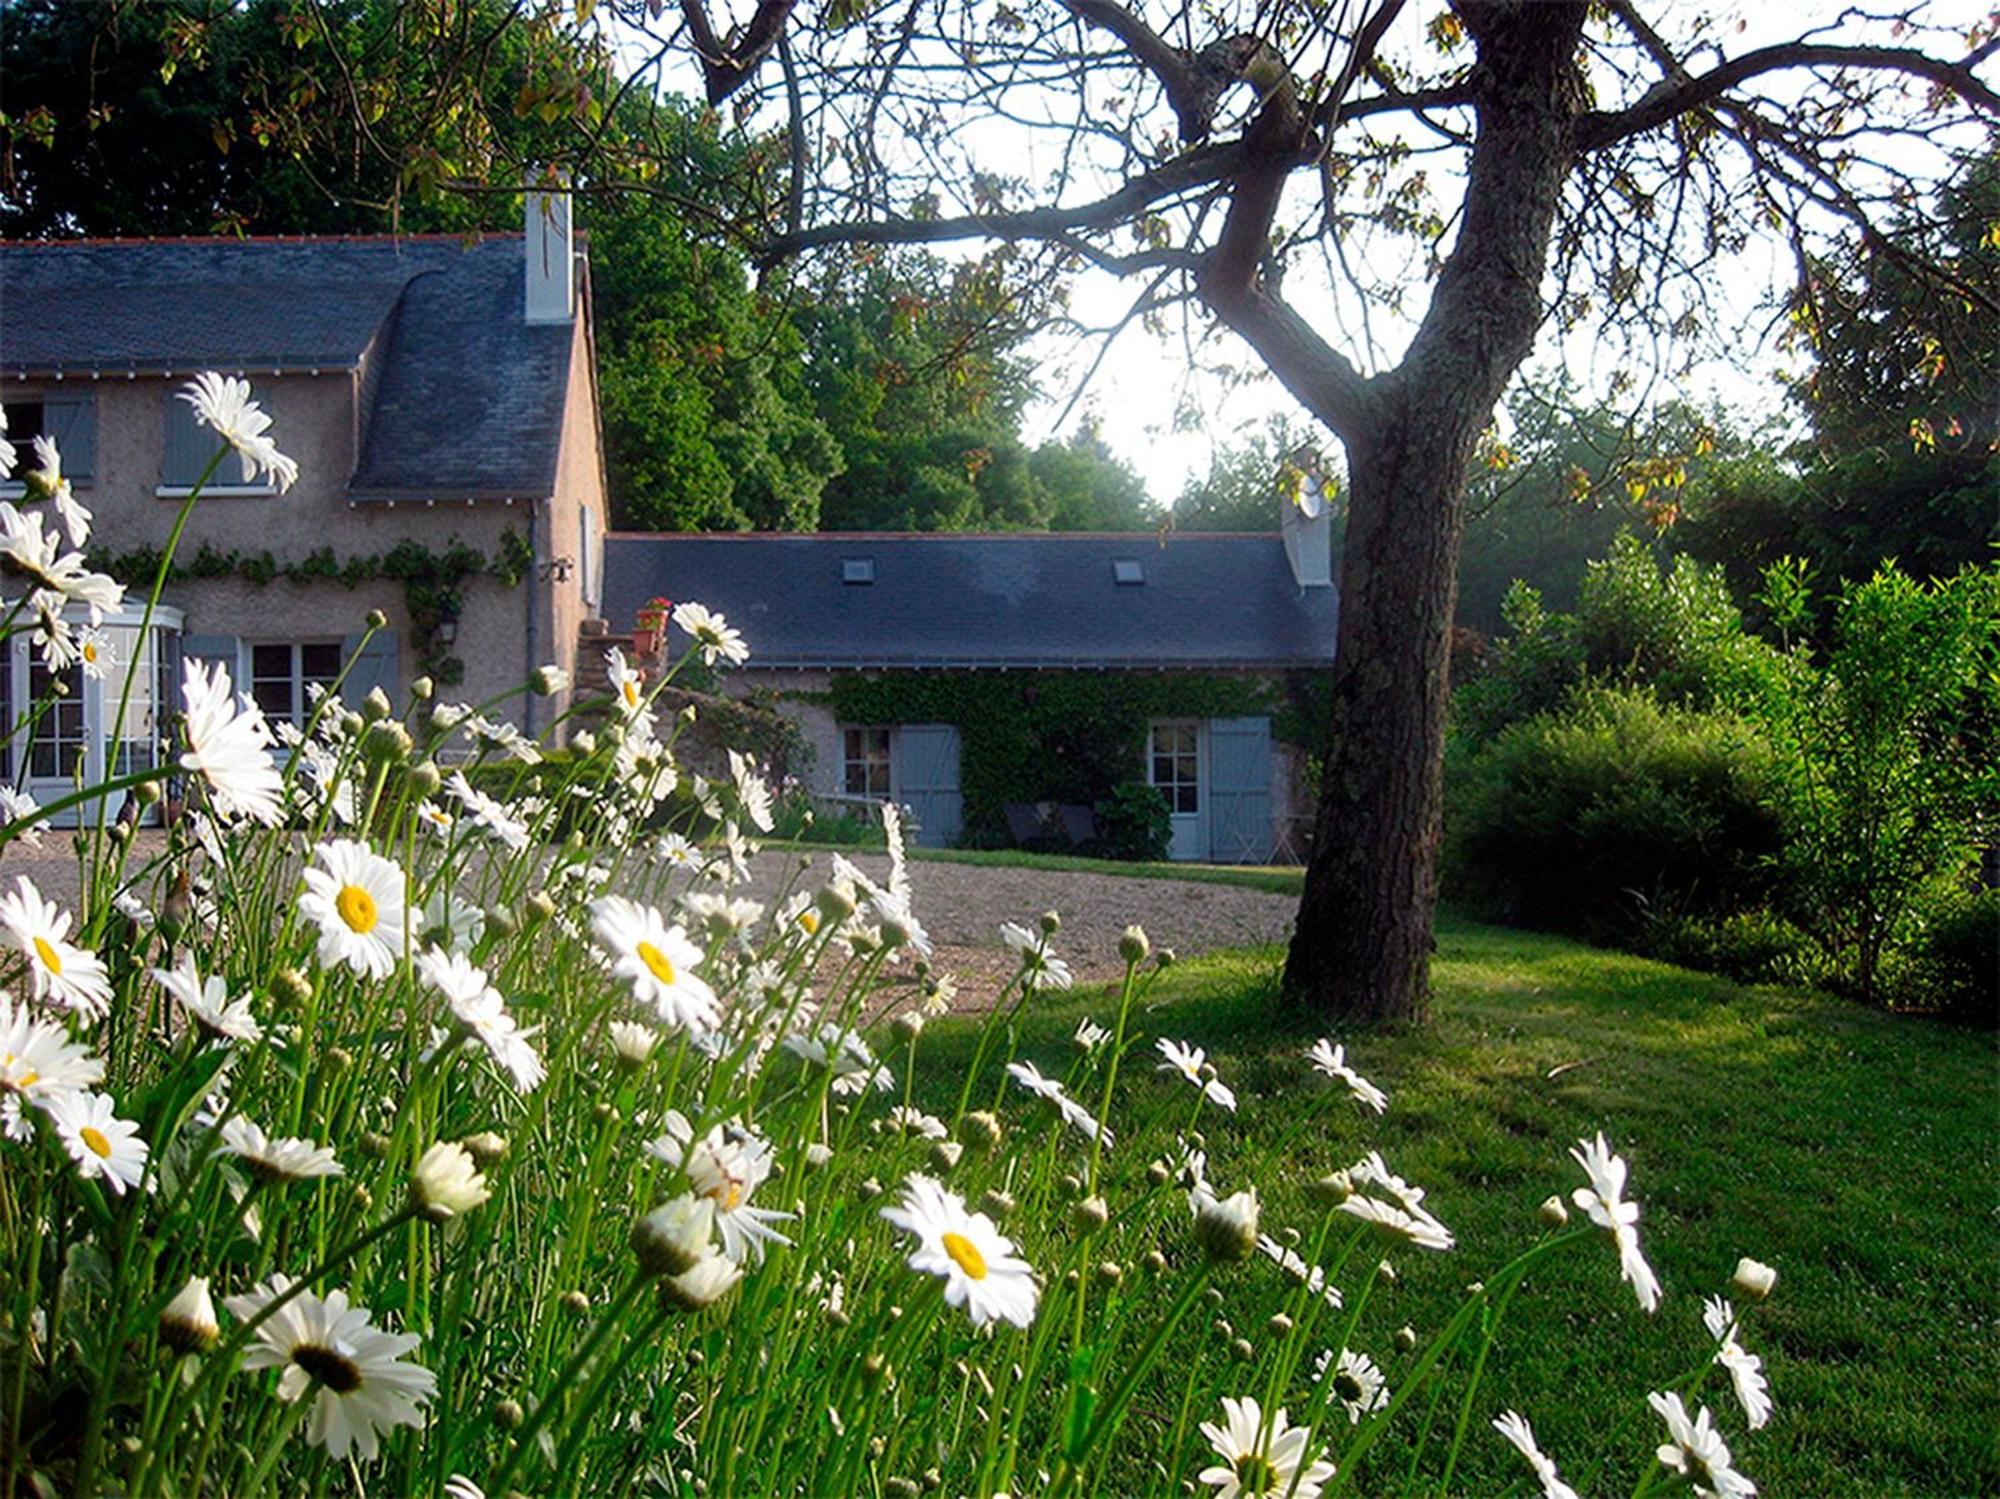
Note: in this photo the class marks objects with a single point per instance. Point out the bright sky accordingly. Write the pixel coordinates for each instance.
(1144, 381)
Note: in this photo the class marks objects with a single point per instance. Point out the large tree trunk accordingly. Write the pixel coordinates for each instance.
(1361, 950)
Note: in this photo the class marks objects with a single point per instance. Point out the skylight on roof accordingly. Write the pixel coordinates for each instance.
(857, 569)
(1126, 572)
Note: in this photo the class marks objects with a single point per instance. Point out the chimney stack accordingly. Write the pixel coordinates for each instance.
(1309, 538)
(551, 257)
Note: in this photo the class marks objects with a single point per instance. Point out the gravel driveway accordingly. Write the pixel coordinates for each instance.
(960, 905)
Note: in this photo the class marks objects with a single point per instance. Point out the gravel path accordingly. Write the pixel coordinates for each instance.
(960, 905)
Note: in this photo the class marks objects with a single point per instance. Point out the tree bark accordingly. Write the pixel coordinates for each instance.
(1361, 949)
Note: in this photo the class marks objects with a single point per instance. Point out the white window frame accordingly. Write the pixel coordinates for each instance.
(1193, 754)
(297, 680)
(848, 763)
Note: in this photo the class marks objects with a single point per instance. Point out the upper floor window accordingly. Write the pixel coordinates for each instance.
(281, 673)
(191, 447)
(69, 420)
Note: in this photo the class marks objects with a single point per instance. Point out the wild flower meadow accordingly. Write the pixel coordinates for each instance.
(398, 1130)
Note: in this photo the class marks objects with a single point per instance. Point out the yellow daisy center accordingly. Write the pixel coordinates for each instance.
(1256, 1473)
(631, 691)
(810, 921)
(50, 959)
(90, 651)
(357, 908)
(728, 1195)
(656, 961)
(965, 1254)
(99, 1146)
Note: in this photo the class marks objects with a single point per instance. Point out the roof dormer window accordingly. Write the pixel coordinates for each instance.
(1127, 572)
(857, 571)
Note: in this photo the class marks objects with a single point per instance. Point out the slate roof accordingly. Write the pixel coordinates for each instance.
(1018, 600)
(470, 399)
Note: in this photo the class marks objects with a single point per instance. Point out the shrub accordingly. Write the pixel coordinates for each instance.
(1578, 820)
(1955, 969)
(1134, 823)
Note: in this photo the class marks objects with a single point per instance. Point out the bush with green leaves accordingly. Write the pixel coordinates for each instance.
(1134, 823)
(1621, 806)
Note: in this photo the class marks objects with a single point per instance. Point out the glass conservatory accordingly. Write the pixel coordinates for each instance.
(57, 745)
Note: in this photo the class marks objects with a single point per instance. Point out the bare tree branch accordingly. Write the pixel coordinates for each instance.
(727, 65)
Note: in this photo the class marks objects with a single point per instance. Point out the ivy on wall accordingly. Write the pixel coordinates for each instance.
(1058, 736)
(433, 582)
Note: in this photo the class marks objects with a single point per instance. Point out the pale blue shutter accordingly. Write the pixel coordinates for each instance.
(189, 448)
(71, 422)
(927, 781)
(1239, 790)
(221, 649)
(375, 666)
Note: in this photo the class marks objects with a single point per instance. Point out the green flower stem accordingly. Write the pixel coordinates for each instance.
(280, 1435)
(1491, 1330)
(1111, 1071)
(524, 1439)
(579, 1420)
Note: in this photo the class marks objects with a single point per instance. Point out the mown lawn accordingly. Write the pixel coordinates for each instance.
(1854, 1152)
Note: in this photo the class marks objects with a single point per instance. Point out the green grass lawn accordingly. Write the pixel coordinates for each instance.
(1279, 879)
(1854, 1152)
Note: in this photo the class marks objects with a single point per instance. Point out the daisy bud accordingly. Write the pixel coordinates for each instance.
(1406, 1339)
(870, 1189)
(1552, 1212)
(900, 1488)
(583, 742)
(1051, 923)
(818, 1155)
(500, 919)
(121, 833)
(1753, 1280)
(945, 1154)
(507, 1414)
(549, 680)
(612, 734)
(575, 1303)
(673, 1239)
(351, 724)
(1334, 1189)
(996, 1204)
(446, 1183)
(1242, 1351)
(875, 1368)
(1110, 1273)
(1072, 1184)
(604, 1113)
(980, 1128)
(376, 704)
(538, 907)
(146, 793)
(933, 1480)
(292, 988)
(339, 1059)
(1072, 1279)
(1280, 1324)
(187, 1323)
(1226, 1230)
(1388, 1272)
(374, 1143)
(908, 1026)
(835, 1317)
(1133, 946)
(1091, 1214)
(422, 689)
(633, 1043)
(361, 1197)
(387, 740)
(1154, 1261)
(688, 714)
(712, 1278)
(1159, 1173)
(486, 1147)
(377, 620)
(425, 778)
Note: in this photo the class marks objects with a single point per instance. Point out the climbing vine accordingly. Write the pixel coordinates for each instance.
(433, 581)
(1033, 736)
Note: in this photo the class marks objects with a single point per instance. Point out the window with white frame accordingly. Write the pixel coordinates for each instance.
(865, 762)
(1176, 765)
(190, 448)
(280, 673)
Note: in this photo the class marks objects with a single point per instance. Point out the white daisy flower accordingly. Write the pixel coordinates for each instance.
(1357, 1383)
(1074, 1114)
(94, 654)
(974, 1259)
(356, 1372)
(677, 852)
(447, 1182)
(1293, 1264)
(1089, 1036)
(481, 1013)
(69, 975)
(103, 1146)
(1260, 1458)
(1697, 1451)
(486, 812)
(505, 737)
(223, 403)
(46, 481)
(846, 1056)
(1746, 1370)
(712, 633)
(229, 745)
(1040, 968)
(359, 902)
(276, 1161)
(1332, 1060)
(1189, 1061)
(633, 1043)
(17, 806)
(451, 921)
(628, 685)
(891, 915)
(208, 1003)
(1515, 1428)
(726, 1166)
(657, 960)
(905, 1120)
(67, 577)
(751, 792)
(436, 819)
(38, 1061)
(1398, 1211)
(1603, 1201)
(723, 918)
